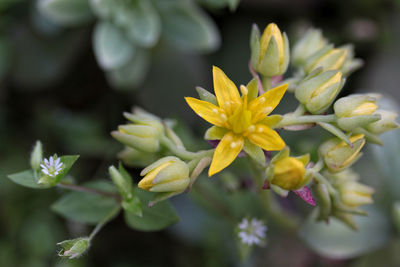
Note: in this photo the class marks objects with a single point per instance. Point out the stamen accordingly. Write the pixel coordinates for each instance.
(244, 90)
(223, 117)
(267, 110)
(251, 128)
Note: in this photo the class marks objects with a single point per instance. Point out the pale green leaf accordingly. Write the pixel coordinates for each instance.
(87, 207)
(155, 218)
(66, 12)
(112, 49)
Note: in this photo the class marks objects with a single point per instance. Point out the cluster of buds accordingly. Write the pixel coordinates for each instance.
(143, 133)
(313, 51)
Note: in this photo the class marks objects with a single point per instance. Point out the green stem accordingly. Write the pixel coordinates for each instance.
(272, 207)
(293, 120)
(300, 110)
(103, 222)
(321, 179)
(182, 153)
(266, 83)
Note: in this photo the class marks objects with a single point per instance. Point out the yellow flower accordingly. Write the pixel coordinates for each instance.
(239, 120)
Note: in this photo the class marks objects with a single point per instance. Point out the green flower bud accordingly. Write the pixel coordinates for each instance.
(311, 42)
(338, 155)
(143, 134)
(354, 194)
(356, 110)
(37, 156)
(122, 180)
(396, 215)
(270, 51)
(317, 92)
(73, 248)
(328, 58)
(136, 158)
(386, 123)
(169, 174)
(350, 64)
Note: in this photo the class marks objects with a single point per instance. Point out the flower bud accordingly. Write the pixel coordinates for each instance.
(141, 137)
(396, 215)
(338, 155)
(168, 174)
(122, 180)
(317, 92)
(136, 158)
(350, 64)
(356, 110)
(73, 248)
(354, 194)
(288, 173)
(386, 123)
(328, 58)
(270, 52)
(143, 134)
(311, 42)
(36, 156)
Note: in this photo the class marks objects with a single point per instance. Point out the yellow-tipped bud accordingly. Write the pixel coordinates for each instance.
(169, 174)
(317, 92)
(328, 58)
(338, 155)
(143, 134)
(311, 42)
(386, 123)
(354, 194)
(356, 111)
(270, 51)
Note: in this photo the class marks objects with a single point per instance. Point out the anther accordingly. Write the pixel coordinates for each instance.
(244, 90)
(223, 117)
(267, 110)
(251, 128)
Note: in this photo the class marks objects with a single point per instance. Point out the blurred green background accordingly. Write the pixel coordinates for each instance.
(53, 89)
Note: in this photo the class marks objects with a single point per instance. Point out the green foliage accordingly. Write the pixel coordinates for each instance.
(336, 240)
(188, 27)
(87, 207)
(66, 12)
(155, 218)
(111, 47)
(27, 179)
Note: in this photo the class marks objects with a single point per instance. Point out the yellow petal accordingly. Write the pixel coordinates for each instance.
(266, 138)
(266, 103)
(226, 152)
(208, 111)
(226, 91)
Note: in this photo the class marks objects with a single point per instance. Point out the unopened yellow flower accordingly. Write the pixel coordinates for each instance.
(289, 173)
(240, 119)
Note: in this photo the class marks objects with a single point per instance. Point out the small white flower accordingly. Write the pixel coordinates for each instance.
(51, 167)
(252, 231)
